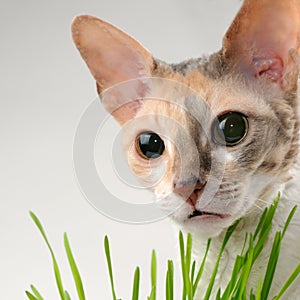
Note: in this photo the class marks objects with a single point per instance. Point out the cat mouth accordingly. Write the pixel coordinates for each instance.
(197, 213)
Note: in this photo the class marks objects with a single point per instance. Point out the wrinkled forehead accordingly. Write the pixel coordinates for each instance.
(187, 107)
(233, 95)
(203, 100)
(179, 113)
(170, 113)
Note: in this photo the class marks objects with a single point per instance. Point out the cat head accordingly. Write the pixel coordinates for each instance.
(215, 137)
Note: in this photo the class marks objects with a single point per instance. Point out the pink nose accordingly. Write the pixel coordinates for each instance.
(189, 193)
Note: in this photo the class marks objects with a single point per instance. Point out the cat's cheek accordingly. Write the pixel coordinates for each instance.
(263, 186)
(174, 206)
(257, 193)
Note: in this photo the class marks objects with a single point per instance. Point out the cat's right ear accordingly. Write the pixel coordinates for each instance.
(264, 41)
(113, 57)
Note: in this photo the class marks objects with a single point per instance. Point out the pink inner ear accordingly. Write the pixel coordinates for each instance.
(127, 111)
(113, 57)
(270, 67)
(124, 100)
(261, 37)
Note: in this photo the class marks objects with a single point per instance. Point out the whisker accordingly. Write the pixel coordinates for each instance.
(262, 201)
(256, 205)
(268, 203)
(260, 208)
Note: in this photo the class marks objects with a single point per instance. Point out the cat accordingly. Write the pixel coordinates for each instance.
(224, 154)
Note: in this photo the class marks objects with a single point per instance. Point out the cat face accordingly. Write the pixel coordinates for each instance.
(201, 180)
(213, 138)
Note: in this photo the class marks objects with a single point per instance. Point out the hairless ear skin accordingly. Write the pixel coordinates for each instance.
(263, 40)
(112, 57)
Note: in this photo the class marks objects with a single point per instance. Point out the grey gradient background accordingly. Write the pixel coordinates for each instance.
(45, 87)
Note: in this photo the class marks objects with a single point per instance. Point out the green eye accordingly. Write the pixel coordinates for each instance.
(230, 129)
(150, 145)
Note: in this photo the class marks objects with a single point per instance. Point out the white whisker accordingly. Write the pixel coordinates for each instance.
(262, 201)
(260, 208)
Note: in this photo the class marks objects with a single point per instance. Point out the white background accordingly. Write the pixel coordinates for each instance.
(45, 87)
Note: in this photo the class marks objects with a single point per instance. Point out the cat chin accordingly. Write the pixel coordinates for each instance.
(206, 223)
(204, 226)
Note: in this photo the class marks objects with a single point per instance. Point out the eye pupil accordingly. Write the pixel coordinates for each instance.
(150, 145)
(230, 129)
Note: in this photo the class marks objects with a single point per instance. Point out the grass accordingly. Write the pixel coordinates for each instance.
(236, 288)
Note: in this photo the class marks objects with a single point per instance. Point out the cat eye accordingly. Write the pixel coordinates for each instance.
(150, 145)
(230, 129)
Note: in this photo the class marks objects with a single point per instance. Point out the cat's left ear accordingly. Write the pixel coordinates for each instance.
(264, 41)
(114, 57)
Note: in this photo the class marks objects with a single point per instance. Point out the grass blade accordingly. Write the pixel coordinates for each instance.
(187, 290)
(153, 275)
(231, 286)
(273, 259)
(188, 257)
(182, 259)
(260, 224)
(74, 269)
(136, 284)
(151, 297)
(288, 221)
(109, 265)
(188, 253)
(170, 281)
(36, 293)
(68, 297)
(264, 227)
(218, 297)
(30, 296)
(214, 274)
(258, 291)
(246, 271)
(193, 271)
(55, 265)
(201, 269)
(287, 284)
(267, 222)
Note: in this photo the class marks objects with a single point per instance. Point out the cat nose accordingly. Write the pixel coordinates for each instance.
(190, 193)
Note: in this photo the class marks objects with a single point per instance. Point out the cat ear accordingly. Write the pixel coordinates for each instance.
(263, 40)
(113, 57)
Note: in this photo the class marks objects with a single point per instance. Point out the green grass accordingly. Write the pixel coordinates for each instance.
(236, 288)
